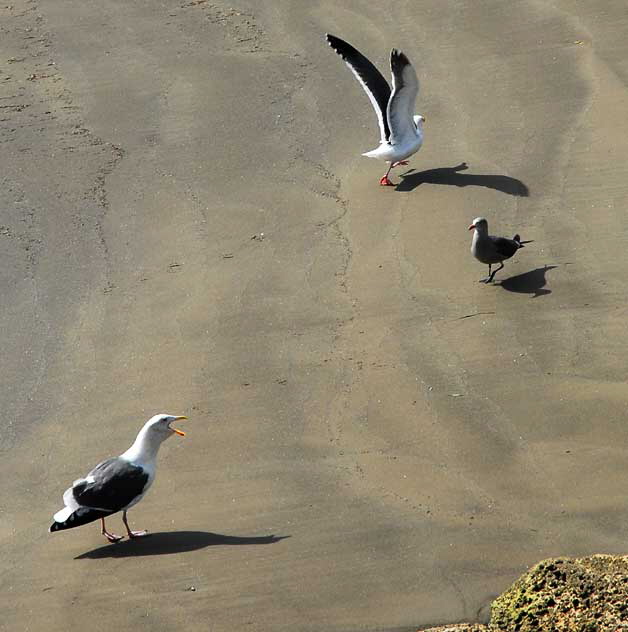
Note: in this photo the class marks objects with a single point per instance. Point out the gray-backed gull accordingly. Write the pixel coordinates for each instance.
(400, 129)
(118, 483)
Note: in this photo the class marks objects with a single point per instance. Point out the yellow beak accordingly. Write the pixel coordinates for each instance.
(176, 430)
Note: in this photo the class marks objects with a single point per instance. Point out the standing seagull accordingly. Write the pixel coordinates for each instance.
(401, 131)
(488, 249)
(118, 483)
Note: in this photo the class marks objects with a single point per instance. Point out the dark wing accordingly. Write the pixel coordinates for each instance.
(505, 247)
(400, 110)
(372, 80)
(111, 485)
(81, 516)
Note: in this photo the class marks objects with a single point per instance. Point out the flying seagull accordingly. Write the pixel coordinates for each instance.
(488, 249)
(401, 130)
(118, 483)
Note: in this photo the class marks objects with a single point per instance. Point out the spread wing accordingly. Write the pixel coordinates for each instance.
(110, 486)
(401, 106)
(371, 79)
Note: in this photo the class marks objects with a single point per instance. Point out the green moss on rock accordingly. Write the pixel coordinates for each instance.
(459, 627)
(588, 594)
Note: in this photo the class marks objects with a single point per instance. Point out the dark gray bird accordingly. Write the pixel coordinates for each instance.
(490, 250)
(118, 483)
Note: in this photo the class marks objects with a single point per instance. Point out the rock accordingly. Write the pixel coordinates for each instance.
(588, 594)
(460, 627)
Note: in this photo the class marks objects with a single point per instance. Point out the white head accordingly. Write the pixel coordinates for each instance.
(479, 224)
(418, 121)
(153, 433)
(158, 427)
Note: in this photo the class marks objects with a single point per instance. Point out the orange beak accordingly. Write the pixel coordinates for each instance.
(176, 430)
(472, 227)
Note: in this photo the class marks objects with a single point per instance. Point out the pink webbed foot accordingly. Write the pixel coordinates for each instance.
(132, 534)
(400, 162)
(385, 182)
(137, 534)
(112, 537)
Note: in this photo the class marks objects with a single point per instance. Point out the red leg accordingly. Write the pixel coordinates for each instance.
(132, 534)
(112, 537)
(385, 181)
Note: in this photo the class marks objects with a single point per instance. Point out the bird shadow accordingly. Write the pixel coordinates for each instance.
(531, 282)
(164, 543)
(411, 179)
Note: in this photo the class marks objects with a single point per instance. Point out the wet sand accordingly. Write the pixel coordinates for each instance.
(376, 441)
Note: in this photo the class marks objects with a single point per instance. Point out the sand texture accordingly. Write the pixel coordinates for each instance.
(376, 440)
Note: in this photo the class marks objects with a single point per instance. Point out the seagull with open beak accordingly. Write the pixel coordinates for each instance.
(118, 483)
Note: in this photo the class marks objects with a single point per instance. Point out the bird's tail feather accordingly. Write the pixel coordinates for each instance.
(63, 514)
(374, 153)
(80, 516)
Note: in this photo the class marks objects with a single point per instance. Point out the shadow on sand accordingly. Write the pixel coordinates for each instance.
(174, 542)
(452, 176)
(532, 282)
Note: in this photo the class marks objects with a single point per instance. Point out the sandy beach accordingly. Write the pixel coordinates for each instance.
(376, 440)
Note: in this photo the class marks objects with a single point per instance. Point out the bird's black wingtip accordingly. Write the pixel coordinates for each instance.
(335, 42)
(53, 527)
(344, 49)
(398, 58)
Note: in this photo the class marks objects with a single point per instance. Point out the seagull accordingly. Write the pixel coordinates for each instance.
(488, 249)
(118, 483)
(401, 130)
